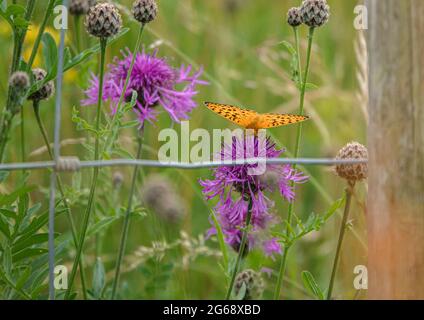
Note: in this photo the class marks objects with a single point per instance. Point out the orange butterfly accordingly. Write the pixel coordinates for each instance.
(250, 119)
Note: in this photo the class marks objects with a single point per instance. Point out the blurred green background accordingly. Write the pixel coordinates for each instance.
(238, 43)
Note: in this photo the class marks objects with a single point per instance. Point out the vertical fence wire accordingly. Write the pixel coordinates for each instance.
(57, 126)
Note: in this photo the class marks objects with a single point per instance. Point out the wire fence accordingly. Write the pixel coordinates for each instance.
(70, 164)
(74, 164)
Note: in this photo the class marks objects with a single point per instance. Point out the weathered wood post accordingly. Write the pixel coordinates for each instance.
(396, 145)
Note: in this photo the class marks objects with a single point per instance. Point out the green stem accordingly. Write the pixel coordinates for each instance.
(23, 136)
(299, 61)
(303, 92)
(111, 138)
(88, 210)
(282, 272)
(77, 20)
(126, 226)
(37, 42)
(6, 123)
(9, 110)
(20, 36)
(348, 191)
(241, 250)
(36, 107)
(296, 150)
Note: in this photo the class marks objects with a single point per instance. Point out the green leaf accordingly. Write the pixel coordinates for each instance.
(21, 23)
(4, 228)
(7, 259)
(242, 293)
(221, 240)
(3, 176)
(23, 278)
(28, 253)
(102, 225)
(15, 10)
(38, 223)
(99, 279)
(309, 86)
(334, 207)
(289, 47)
(24, 243)
(70, 62)
(8, 213)
(3, 5)
(50, 54)
(7, 200)
(310, 284)
(22, 208)
(294, 63)
(91, 51)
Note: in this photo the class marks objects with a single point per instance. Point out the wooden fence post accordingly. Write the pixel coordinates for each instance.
(396, 145)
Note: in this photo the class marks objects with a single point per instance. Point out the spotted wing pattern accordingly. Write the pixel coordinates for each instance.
(250, 119)
(273, 120)
(239, 116)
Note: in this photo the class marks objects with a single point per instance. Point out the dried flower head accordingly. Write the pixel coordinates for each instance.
(315, 13)
(161, 196)
(118, 179)
(145, 11)
(294, 18)
(253, 283)
(156, 82)
(19, 81)
(353, 172)
(232, 6)
(103, 20)
(80, 7)
(44, 92)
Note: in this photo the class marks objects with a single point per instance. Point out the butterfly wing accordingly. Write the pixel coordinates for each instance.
(274, 120)
(239, 116)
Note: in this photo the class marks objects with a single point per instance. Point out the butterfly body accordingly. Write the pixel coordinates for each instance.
(250, 119)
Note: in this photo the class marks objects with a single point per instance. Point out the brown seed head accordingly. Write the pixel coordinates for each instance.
(353, 172)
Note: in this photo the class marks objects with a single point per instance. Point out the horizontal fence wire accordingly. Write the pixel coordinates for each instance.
(74, 164)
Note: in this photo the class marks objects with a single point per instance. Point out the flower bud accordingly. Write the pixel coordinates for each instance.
(103, 20)
(160, 195)
(80, 7)
(315, 13)
(145, 11)
(253, 283)
(19, 81)
(44, 92)
(294, 17)
(118, 179)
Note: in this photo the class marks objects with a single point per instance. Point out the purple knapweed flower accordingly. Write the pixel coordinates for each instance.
(238, 186)
(156, 83)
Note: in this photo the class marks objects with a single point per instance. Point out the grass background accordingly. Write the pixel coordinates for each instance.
(238, 45)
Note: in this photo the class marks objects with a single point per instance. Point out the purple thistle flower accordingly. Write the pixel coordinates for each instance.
(156, 83)
(272, 247)
(235, 186)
